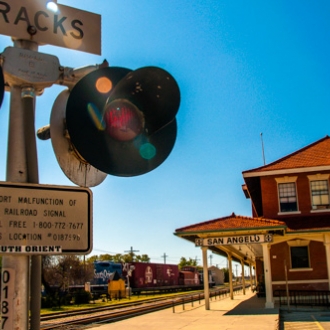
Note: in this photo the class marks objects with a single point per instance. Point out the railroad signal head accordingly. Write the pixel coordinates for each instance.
(122, 122)
(75, 168)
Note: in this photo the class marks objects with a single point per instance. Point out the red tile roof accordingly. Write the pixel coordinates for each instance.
(235, 222)
(315, 154)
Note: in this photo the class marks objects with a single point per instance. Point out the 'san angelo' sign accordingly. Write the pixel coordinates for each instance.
(234, 240)
(67, 27)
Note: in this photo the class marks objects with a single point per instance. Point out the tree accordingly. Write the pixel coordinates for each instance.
(184, 262)
(62, 271)
(226, 274)
(92, 259)
(107, 257)
(129, 257)
(142, 258)
(117, 257)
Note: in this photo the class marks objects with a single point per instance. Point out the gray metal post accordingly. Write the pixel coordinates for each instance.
(28, 99)
(18, 266)
(22, 166)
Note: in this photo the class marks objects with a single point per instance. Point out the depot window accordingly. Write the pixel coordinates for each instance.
(299, 257)
(320, 194)
(299, 254)
(287, 197)
(319, 189)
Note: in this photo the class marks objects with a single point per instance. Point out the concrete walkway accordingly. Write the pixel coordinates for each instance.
(305, 319)
(243, 312)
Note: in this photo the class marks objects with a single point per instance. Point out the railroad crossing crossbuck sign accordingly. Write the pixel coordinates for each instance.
(68, 27)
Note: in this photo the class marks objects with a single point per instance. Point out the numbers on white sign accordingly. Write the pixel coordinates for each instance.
(5, 299)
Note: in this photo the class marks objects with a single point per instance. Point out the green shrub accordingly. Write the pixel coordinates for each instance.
(47, 302)
(82, 297)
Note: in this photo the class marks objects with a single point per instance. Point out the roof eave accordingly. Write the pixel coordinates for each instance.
(286, 171)
(307, 231)
(190, 233)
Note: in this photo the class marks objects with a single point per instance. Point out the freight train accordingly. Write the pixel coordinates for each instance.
(140, 276)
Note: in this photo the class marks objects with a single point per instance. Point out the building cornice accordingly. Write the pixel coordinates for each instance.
(230, 230)
(286, 171)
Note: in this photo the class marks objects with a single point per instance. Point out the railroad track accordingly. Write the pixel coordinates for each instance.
(87, 311)
(104, 316)
(110, 314)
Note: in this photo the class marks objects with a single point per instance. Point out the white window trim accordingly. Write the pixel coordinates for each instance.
(298, 242)
(300, 270)
(317, 177)
(320, 211)
(293, 212)
(287, 179)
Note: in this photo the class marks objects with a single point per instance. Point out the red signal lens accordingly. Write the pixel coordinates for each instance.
(123, 120)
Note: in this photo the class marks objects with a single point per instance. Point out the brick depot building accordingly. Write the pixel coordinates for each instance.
(287, 238)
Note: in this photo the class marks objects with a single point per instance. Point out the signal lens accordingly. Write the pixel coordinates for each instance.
(123, 120)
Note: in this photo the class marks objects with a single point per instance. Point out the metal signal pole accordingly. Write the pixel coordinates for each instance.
(21, 167)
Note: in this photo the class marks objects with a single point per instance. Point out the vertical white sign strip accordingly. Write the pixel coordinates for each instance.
(7, 298)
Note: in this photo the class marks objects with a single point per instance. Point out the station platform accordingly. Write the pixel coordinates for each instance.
(243, 312)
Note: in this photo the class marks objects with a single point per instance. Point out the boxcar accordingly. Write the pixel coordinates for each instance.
(189, 276)
(151, 275)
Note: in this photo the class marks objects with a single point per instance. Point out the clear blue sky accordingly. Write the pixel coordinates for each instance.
(243, 67)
